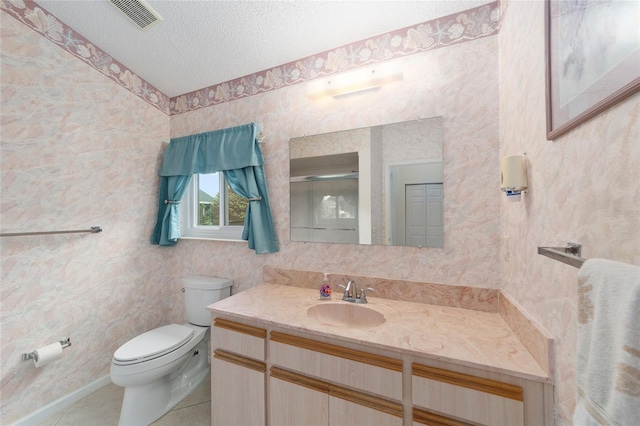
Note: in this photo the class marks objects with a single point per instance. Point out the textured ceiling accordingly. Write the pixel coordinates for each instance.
(206, 42)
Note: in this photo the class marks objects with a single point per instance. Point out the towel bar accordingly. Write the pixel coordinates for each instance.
(93, 230)
(571, 254)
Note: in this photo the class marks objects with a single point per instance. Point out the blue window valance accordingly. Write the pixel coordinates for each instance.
(235, 152)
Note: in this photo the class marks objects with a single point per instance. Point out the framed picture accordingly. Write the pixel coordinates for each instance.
(593, 59)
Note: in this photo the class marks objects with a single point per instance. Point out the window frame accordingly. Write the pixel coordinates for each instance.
(189, 209)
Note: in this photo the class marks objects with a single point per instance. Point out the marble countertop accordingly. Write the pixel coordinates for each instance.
(461, 336)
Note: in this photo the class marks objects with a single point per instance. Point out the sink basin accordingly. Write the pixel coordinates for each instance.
(346, 314)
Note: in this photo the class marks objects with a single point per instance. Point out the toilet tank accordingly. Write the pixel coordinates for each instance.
(199, 292)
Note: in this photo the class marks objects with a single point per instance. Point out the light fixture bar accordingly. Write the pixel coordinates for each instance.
(358, 80)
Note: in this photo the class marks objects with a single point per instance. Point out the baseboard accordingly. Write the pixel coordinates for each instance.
(63, 403)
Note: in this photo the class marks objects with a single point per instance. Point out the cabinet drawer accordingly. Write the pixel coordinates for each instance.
(238, 338)
(479, 400)
(377, 374)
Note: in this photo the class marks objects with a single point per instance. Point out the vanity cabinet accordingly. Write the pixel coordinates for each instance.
(266, 376)
(238, 355)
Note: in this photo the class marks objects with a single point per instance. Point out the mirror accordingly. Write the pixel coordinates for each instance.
(375, 185)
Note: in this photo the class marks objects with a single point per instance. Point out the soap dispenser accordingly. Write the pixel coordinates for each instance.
(325, 288)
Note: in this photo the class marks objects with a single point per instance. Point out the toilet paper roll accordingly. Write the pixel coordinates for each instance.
(47, 354)
(514, 173)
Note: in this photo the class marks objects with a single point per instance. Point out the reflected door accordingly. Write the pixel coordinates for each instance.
(424, 225)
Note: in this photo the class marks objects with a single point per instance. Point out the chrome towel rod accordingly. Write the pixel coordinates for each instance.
(93, 230)
(353, 175)
(571, 254)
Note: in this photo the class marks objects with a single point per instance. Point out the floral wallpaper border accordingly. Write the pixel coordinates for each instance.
(478, 22)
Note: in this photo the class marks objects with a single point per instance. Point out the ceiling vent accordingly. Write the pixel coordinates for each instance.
(138, 11)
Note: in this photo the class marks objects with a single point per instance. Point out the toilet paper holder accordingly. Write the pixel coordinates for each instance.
(34, 356)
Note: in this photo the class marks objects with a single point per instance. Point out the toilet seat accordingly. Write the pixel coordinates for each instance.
(153, 344)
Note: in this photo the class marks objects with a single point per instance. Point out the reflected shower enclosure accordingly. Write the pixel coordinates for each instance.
(324, 201)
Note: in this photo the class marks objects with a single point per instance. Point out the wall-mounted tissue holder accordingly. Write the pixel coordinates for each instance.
(47, 354)
(513, 179)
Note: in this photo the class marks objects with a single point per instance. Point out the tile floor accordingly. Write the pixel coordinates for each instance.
(102, 408)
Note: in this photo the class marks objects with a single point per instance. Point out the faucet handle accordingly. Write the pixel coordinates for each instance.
(363, 295)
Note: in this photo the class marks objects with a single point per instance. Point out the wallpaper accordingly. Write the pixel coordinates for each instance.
(471, 24)
(86, 150)
(441, 82)
(77, 151)
(584, 187)
(81, 148)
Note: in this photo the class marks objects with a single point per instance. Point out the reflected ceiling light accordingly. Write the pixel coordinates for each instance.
(355, 81)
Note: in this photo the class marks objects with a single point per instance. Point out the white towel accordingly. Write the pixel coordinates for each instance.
(608, 355)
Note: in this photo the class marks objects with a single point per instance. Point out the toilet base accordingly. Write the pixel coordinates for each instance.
(142, 405)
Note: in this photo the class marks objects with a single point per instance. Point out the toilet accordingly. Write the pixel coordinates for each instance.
(159, 368)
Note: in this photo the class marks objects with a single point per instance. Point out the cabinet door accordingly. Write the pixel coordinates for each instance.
(344, 412)
(294, 405)
(424, 417)
(296, 400)
(478, 400)
(237, 391)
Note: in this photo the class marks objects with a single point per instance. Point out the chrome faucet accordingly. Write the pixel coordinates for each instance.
(351, 293)
(350, 290)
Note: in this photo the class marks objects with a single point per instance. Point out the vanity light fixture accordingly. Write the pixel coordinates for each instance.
(514, 176)
(350, 82)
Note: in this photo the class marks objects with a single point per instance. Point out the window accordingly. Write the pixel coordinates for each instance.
(208, 213)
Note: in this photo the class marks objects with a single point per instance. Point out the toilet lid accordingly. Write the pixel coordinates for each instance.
(154, 343)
